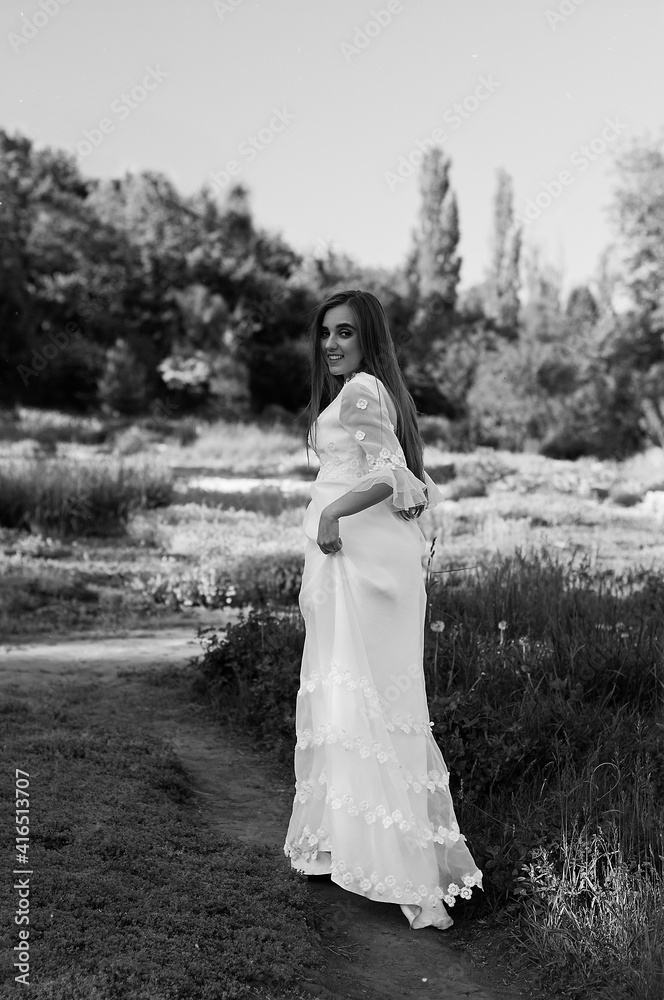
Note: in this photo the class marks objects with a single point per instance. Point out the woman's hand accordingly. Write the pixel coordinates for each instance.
(328, 534)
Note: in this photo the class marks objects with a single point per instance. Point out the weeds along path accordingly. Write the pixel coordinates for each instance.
(369, 951)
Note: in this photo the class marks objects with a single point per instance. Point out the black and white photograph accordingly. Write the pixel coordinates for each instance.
(332, 499)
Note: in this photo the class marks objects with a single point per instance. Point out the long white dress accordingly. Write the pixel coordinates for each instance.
(372, 804)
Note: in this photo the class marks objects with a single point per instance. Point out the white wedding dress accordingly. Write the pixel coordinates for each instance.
(372, 804)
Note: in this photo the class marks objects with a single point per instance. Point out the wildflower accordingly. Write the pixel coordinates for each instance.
(438, 626)
(502, 625)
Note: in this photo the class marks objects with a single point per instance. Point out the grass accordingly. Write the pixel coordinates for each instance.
(67, 497)
(546, 687)
(552, 725)
(167, 560)
(49, 428)
(601, 920)
(222, 556)
(129, 897)
(243, 449)
(185, 555)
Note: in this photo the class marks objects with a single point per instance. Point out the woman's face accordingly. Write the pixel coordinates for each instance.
(340, 340)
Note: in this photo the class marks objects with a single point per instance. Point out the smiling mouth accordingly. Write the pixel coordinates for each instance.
(335, 357)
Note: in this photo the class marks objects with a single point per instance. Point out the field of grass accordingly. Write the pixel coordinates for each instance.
(546, 688)
(546, 681)
(131, 898)
(127, 538)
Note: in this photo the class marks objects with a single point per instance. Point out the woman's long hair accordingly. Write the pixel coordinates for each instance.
(379, 359)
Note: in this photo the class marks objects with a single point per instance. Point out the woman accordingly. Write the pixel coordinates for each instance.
(372, 806)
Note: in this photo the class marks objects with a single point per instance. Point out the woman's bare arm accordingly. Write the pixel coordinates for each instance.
(350, 503)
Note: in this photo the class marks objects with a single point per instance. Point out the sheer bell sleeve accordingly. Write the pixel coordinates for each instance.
(364, 415)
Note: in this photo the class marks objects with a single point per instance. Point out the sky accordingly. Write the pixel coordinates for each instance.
(322, 107)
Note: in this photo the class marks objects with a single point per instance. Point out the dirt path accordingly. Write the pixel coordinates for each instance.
(371, 954)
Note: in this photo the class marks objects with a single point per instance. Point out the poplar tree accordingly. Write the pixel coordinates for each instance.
(437, 261)
(504, 279)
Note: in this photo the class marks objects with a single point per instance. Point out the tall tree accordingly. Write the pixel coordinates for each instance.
(18, 316)
(638, 216)
(637, 358)
(437, 261)
(504, 277)
(542, 312)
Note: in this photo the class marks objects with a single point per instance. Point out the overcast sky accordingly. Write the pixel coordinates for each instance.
(316, 104)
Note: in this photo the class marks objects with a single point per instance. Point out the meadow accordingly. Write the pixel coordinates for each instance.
(543, 651)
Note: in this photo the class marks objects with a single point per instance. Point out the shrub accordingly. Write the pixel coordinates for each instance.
(187, 378)
(123, 386)
(465, 487)
(251, 672)
(441, 432)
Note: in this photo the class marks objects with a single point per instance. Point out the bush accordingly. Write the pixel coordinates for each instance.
(251, 672)
(441, 432)
(69, 381)
(123, 386)
(187, 379)
(465, 487)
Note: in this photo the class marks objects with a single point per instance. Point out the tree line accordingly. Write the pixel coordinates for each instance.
(116, 294)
